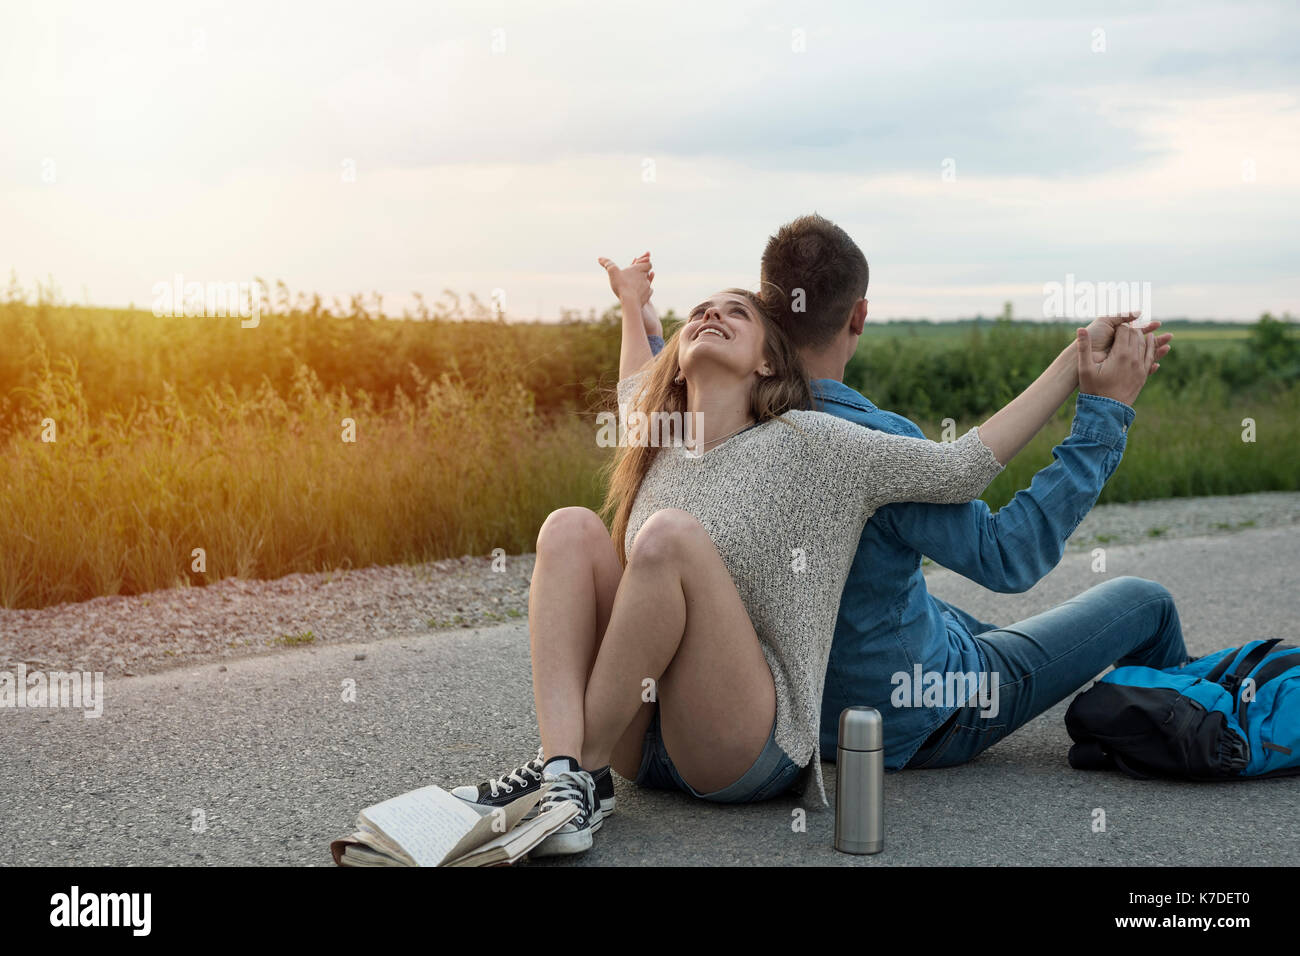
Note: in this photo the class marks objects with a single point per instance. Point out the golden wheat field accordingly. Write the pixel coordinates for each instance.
(141, 453)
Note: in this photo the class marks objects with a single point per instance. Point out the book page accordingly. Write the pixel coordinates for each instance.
(498, 821)
(426, 823)
(509, 847)
(357, 855)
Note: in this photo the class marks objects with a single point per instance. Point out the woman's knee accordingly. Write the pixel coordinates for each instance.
(666, 537)
(570, 529)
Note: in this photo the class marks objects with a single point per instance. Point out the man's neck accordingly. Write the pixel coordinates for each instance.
(823, 364)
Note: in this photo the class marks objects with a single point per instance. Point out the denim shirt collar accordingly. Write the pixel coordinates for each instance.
(830, 390)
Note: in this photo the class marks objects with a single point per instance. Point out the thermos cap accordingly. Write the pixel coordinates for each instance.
(861, 729)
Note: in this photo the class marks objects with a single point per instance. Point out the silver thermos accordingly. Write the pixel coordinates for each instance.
(860, 782)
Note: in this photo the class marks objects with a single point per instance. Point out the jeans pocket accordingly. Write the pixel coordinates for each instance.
(940, 747)
(961, 743)
(965, 743)
(937, 750)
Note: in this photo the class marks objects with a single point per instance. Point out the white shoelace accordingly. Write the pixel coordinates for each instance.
(519, 775)
(571, 786)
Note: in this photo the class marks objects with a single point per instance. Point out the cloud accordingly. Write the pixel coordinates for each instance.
(504, 145)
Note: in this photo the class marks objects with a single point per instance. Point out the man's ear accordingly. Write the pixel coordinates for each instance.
(858, 318)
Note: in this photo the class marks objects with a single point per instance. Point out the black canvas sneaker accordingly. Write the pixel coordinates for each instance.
(569, 785)
(526, 779)
(510, 786)
(604, 789)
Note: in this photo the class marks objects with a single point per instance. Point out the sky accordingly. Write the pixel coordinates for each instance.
(975, 152)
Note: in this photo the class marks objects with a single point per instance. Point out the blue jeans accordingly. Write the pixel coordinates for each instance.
(1044, 659)
(772, 773)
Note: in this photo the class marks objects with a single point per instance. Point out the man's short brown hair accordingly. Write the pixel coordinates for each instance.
(813, 274)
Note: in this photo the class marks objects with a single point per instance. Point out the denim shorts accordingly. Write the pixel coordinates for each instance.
(771, 775)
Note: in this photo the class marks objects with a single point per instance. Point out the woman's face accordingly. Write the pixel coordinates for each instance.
(724, 330)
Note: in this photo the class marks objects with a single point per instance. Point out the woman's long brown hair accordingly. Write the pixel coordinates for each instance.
(785, 389)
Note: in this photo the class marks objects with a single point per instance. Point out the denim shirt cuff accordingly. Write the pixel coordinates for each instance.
(1103, 420)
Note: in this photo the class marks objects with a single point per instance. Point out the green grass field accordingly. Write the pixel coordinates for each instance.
(144, 452)
(953, 334)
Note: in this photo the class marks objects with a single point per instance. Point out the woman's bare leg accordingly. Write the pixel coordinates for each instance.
(678, 620)
(569, 601)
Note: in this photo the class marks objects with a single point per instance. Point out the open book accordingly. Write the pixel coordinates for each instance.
(430, 827)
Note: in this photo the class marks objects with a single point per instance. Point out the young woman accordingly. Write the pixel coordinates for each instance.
(690, 650)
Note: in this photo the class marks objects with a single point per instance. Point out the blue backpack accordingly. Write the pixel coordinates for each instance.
(1231, 715)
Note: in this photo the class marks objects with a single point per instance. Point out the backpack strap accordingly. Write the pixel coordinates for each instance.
(1132, 768)
(1274, 668)
(1221, 668)
(1233, 681)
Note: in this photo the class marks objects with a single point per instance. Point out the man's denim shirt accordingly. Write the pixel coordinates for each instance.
(888, 622)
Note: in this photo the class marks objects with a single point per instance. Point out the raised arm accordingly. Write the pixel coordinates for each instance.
(632, 286)
(1116, 372)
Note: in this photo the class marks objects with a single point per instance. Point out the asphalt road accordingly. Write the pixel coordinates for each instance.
(262, 761)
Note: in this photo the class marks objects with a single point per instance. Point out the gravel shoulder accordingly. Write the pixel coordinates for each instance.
(235, 618)
(1140, 521)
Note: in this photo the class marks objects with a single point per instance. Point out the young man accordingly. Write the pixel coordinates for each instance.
(889, 624)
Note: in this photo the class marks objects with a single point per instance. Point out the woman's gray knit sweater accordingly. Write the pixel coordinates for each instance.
(785, 503)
